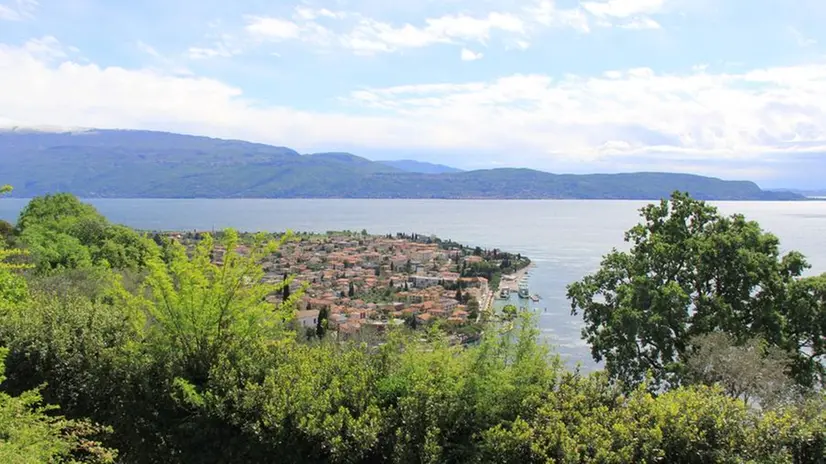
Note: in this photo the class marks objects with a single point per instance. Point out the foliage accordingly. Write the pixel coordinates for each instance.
(752, 371)
(509, 312)
(30, 433)
(690, 272)
(200, 312)
(187, 363)
(63, 233)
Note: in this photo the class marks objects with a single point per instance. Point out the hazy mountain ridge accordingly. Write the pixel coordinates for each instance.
(135, 164)
(420, 167)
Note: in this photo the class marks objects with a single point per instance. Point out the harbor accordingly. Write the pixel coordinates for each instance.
(511, 285)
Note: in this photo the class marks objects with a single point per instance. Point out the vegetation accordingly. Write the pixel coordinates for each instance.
(692, 272)
(183, 362)
(135, 164)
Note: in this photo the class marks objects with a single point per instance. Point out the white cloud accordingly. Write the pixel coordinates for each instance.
(641, 23)
(47, 47)
(800, 39)
(18, 10)
(470, 55)
(365, 35)
(635, 112)
(148, 49)
(273, 28)
(200, 53)
(546, 13)
(622, 8)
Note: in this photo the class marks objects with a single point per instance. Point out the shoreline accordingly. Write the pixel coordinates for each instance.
(511, 281)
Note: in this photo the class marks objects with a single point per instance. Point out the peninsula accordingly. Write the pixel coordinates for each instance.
(358, 284)
(145, 164)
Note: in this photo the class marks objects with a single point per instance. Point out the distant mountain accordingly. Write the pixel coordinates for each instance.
(419, 167)
(820, 193)
(137, 164)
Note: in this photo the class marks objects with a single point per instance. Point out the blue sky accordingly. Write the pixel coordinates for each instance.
(731, 88)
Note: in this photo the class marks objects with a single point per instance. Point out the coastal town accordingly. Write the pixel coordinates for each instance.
(356, 285)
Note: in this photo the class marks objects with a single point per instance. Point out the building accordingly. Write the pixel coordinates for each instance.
(307, 318)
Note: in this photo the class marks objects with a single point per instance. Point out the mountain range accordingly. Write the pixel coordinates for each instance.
(148, 164)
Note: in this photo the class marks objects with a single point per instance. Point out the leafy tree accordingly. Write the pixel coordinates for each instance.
(63, 233)
(13, 287)
(285, 291)
(29, 433)
(689, 272)
(201, 312)
(473, 308)
(752, 371)
(321, 322)
(509, 312)
(804, 328)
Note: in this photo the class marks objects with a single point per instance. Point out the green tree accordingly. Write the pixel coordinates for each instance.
(13, 287)
(751, 371)
(285, 291)
(351, 292)
(321, 322)
(201, 312)
(31, 434)
(509, 312)
(64, 233)
(473, 308)
(689, 272)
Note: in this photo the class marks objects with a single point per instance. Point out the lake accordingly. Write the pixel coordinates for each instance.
(565, 239)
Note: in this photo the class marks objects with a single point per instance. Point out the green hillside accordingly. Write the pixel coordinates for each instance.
(137, 164)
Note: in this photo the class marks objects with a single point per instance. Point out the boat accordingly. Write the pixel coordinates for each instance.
(534, 297)
(523, 289)
(505, 293)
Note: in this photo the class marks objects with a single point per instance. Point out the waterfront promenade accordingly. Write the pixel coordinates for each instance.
(511, 281)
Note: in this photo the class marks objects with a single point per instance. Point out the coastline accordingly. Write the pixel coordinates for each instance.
(511, 281)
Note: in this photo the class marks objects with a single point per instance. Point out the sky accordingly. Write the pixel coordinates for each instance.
(730, 88)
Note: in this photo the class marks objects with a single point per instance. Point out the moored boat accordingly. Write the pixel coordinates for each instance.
(524, 292)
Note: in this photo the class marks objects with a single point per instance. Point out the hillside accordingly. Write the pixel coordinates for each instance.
(419, 167)
(137, 164)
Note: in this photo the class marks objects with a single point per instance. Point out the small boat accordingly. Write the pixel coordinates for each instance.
(523, 289)
(505, 293)
(534, 297)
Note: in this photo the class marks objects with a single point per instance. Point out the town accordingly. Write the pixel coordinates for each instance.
(356, 285)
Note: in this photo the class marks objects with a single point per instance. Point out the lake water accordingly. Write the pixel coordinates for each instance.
(565, 239)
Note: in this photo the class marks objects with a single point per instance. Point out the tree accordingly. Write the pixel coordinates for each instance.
(199, 312)
(752, 371)
(62, 232)
(13, 287)
(473, 308)
(31, 434)
(689, 272)
(458, 296)
(285, 290)
(352, 290)
(321, 322)
(509, 312)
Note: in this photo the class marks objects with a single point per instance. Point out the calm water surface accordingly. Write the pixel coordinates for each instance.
(566, 239)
